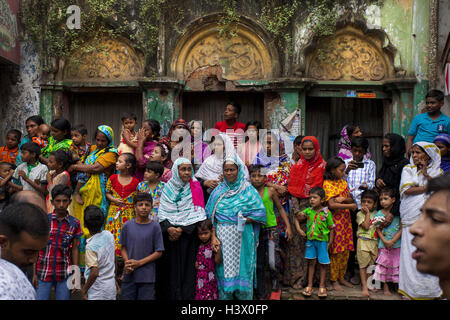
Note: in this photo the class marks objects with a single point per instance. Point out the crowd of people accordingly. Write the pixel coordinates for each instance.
(232, 216)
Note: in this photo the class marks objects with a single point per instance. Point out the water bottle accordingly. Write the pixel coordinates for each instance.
(241, 222)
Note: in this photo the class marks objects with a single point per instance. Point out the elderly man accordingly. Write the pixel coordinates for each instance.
(432, 233)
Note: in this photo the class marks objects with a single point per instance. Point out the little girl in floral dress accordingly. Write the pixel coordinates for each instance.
(206, 282)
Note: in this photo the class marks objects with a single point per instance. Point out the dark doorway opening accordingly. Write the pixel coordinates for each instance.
(103, 108)
(326, 116)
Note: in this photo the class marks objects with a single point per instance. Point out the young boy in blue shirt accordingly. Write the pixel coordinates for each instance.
(426, 126)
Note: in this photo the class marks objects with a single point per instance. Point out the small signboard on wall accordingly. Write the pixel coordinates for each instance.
(364, 95)
(9, 32)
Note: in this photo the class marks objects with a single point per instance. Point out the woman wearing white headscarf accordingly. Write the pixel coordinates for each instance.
(424, 165)
(210, 172)
(181, 207)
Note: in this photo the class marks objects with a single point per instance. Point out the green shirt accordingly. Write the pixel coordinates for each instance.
(370, 234)
(268, 204)
(318, 224)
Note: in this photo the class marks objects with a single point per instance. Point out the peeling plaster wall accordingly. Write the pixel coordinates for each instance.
(19, 91)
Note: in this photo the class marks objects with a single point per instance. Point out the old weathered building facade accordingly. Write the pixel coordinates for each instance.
(368, 62)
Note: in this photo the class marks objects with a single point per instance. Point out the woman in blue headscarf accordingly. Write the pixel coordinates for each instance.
(442, 141)
(233, 200)
(97, 168)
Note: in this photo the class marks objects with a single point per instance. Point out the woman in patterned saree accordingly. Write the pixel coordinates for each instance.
(235, 197)
(424, 165)
(99, 165)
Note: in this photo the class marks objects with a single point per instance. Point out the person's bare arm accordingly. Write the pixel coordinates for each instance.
(218, 256)
(127, 138)
(366, 223)
(414, 190)
(409, 142)
(36, 185)
(276, 201)
(333, 205)
(93, 275)
(6, 179)
(88, 168)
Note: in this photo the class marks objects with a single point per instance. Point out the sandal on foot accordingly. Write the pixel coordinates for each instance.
(322, 293)
(307, 292)
(275, 295)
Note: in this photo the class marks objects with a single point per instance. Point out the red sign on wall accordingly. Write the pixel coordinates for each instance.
(9, 31)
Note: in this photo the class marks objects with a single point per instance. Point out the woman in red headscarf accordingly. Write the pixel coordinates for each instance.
(305, 174)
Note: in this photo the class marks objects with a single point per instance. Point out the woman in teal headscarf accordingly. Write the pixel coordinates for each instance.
(235, 197)
(99, 165)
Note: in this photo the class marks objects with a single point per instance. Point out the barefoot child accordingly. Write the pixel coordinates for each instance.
(128, 136)
(367, 245)
(320, 236)
(120, 190)
(100, 263)
(152, 184)
(340, 202)
(389, 244)
(141, 245)
(269, 235)
(206, 284)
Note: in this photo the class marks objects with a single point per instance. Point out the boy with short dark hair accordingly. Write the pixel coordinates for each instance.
(360, 176)
(23, 233)
(128, 136)
(9, 152)
(30, 174)
(269, 237)
(80, 147)
(233, 128)
(360, 172)
(142, 244)
(367, 245)
(320, 236)
(53, 265)
(100, 258)
(152, 184)
(426, 126)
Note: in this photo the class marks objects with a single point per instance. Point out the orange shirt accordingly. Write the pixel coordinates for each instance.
(7, 155)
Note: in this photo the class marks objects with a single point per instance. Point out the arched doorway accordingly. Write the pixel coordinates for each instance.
(351, 69)
(99, 85)
(211, 65)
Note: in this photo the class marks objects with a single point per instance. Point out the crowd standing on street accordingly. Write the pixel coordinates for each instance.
(233, 218)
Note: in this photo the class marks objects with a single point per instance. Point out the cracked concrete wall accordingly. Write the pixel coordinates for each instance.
(19, 91)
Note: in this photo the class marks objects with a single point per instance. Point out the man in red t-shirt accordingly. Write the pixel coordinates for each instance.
(233, 128)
